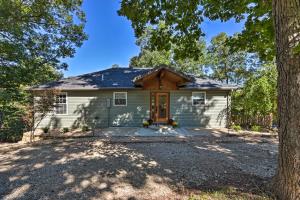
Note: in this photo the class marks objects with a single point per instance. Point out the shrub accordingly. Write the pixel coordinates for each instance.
(45, 129)
(236, 127)
(175, 124)
(145, 124)
(255, 128)
(170, 121)
(11, 134)
(150, 121)
(65, 129)
(85, 128)
(12, 129)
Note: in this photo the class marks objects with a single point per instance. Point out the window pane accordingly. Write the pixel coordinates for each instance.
(120, 95)
(61, 109)
(120, 101)
(198, 101)
(198, 98)
(120, 98)
(62, 98)
(61, 104)
(198, 95)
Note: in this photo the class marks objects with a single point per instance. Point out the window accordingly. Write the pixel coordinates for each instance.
(61, 104)
(120, 98)
(198, 98)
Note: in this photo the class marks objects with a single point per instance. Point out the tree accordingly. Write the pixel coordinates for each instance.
(287, 29)
(44, 103)
(150, 57)
(257, 98)
(182, 19)
(34, 38)
(227, 65)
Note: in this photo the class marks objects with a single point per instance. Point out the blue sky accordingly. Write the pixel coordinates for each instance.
(111, 38)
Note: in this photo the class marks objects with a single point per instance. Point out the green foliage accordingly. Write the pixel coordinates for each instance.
(45, 129)
(296, 49)
(175, 124)
(255, 128)
(12, 123)
(12, 129)
(145, 124)
(65, 129)
(85, 128)
(34, 37)
(259, 94)
(182, 21)
(152, 58)
(236, 127)
(228, 193)
(147, 58)
(228, 65)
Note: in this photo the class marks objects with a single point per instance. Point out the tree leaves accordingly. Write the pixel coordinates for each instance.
(183, 18)
(258, 96)
(34, 37)
(151, 58)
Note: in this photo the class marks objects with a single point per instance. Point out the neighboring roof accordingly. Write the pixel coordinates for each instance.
(122, 78)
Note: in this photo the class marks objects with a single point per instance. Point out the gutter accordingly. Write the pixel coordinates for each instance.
(85, 89)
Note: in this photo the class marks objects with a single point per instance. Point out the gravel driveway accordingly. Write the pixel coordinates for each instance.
(95, 168)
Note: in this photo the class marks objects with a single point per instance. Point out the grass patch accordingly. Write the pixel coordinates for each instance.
(228, 193)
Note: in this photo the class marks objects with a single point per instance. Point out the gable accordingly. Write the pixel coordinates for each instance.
(162, 79)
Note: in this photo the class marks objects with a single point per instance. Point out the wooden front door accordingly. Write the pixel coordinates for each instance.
(161, 112)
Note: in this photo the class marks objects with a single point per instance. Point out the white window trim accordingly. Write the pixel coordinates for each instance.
(67, 105)
(114, 98)
(193, 94)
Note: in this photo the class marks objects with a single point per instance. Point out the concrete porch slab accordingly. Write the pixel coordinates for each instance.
(160, 131)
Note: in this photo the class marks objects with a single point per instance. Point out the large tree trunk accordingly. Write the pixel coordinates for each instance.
(287, 29)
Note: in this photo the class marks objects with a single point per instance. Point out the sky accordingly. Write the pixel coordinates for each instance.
(111, 38)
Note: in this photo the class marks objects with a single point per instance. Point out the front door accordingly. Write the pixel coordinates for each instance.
(162, 107)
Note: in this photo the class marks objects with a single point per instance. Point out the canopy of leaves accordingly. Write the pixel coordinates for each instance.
(228, 65)
(258, 96)
(35, 35)
(183, 18)
(151, 58)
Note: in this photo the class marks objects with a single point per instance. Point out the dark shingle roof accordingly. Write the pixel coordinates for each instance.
(122, 78)
(200, 83)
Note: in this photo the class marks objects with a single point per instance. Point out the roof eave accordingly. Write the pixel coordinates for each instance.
(208, 88)
(80, 89)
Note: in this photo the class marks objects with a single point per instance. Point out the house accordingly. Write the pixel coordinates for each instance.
(129, 96)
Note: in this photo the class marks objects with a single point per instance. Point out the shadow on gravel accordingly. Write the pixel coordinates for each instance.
(97, 169)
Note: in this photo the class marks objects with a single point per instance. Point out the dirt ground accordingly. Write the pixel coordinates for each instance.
(136, 167)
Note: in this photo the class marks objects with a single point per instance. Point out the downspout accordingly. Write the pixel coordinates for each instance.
(108, 106)
(227, 110)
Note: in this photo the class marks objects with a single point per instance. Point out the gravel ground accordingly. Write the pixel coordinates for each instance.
(95, 168)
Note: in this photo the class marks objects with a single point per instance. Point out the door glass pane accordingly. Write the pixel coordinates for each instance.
(162, 107)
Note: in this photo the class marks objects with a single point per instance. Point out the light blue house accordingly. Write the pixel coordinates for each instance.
(129, 96)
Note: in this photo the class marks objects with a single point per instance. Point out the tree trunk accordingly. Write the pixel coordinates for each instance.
(287, 28)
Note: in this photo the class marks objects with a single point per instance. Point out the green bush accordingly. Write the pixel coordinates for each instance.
(255, 128)
(12, 129)
(85, 128)
(11, 135)
(45, 129)
(65, 129)
(236, 127)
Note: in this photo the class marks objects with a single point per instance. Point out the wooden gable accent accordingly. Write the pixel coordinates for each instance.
(162, 80)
